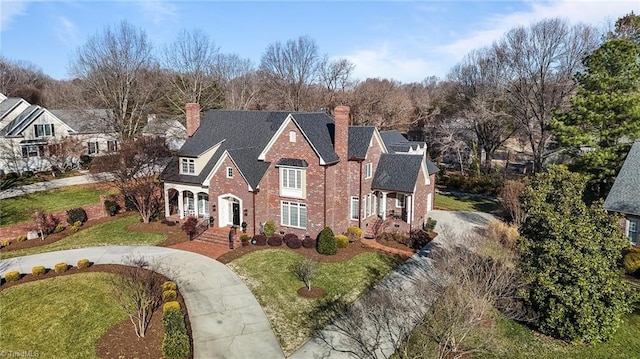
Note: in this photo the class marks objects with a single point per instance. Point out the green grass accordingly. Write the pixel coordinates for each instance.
(62, 317)
(268, 275)
(105, 234)
(465, 203)
(19, 209)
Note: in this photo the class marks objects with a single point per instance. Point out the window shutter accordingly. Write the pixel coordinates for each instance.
(53, 133)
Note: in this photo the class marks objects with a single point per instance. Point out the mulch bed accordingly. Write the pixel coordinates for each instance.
(315, 292)
(398, 245)
(120, 341)
(343, 254)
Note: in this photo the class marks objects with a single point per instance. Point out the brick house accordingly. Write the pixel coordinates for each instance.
(303, 170)
(624, 196)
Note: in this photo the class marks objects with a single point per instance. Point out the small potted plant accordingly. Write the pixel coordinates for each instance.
(244, 227)
(211, 220)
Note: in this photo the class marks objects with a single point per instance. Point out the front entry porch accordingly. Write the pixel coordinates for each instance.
(186, 202)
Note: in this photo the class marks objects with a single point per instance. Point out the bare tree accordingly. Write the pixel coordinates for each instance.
(117, 68)
(382, 103)
(191, 60)
(23, 79)
(133, 170)
(304, 270)
(63, 154)
(451, 136)
(239, 81)
(541, 61)
(138, 292)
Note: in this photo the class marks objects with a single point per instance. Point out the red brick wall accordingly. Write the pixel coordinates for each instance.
(237, 186)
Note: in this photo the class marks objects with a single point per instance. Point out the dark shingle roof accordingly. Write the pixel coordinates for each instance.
(397, 172)
(624, 196)
(292, 162)
(23, 120)
(86, 121)
(359, 139)
(7, 105)
(244, 134)
(432, 168)
(396, 142)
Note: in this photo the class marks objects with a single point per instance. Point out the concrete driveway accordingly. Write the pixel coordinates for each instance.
(226, 320)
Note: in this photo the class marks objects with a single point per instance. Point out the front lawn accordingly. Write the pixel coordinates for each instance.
(61, 317)
(19, 209)
(268, 275)
(449, 202)
(111, 233)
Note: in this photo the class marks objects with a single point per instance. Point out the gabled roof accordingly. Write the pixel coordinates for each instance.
(7, 105)
(624, 196)
(244, 135)
(359, 140)
(15, 127)
(86, 121)
(397, 172)
(396, 142)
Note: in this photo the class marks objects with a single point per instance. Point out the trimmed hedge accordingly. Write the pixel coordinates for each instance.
(270, 228)
(354, 233)
(260, 240)
(175, 344)
(171, 306)
(274, 241)
(169, 285)
(308, 242)
(76, 215)
(83, 263)
(60, 267)
(37, 271)
(12, 276)
(342, 241)
(111, 207)
(292, 241)
(169, 295)
(327, 242)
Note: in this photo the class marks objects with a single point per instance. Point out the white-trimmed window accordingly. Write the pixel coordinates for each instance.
(44, 130)
(292, 136)
(112, 145)
(293, 214)
(355, 208)
(368, 170)
(229, 172)
(92, 147)
(188, 166)
(632, 230)
(292, 182)
(32, 151)
(400, 200)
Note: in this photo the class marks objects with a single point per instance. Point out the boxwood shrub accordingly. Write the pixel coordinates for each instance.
(308, 242)
(169, 285)
(61, 267)
(342, 241)
(327, 242)
(76, 215)
(83, 263)
(37, 271)
(12, 276)
(169, 295)
(275, 240)
(169, 306)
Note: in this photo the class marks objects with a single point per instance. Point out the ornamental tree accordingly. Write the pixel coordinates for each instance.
(570, 259)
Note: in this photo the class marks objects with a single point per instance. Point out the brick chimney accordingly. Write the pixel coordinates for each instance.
(193, 118)
(341, 118)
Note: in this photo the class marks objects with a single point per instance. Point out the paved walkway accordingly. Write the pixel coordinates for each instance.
(226, 320)
(211, 250)
(46, 185)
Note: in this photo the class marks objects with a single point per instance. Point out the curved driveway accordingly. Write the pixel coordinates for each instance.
(226, 320)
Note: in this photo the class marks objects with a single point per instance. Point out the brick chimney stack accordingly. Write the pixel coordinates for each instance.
(341, 118)
(193, 118)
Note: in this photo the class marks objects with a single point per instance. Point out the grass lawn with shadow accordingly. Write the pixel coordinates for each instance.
(111, 233)
(449, 202)
(61, 317)
(267, 273)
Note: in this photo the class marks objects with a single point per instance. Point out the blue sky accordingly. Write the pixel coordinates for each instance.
(403, 40)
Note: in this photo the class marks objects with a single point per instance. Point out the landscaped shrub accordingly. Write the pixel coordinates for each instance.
(83, 263)
(269, 228)
(76, 215)
(27, 174)
(4, 243)
(85, 161)
(327, 242)
(292, 241)
(398, 237)
(59, 228)
(342, 241)
(37, 271)
(259, 240)
(74, 228)
(60, 267)
(502, 233)
(245, 239)
(45, 222)
(631, 262)
(354, 233)
(169, 306)
(112, 207)
(169, 295)
(486, 184)
(189, 226)
(308, 242)
(275, 241)
(12, 276)
(21, 238)
(11, 176)
(176, 341)
(169, 285)
(430, 224)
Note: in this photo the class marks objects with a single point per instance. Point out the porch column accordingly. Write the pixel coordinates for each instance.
(195, 204)
(384, 205)
(181, 204)
(166, 202)
(409, 205)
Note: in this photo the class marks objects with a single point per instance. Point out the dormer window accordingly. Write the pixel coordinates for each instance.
(44, 130)
(229, 172)
(292, 136)
(188, 166)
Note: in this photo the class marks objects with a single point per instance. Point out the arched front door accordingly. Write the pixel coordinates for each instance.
(230, 209)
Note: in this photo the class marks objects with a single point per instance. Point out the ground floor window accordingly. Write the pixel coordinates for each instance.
(32, 151)
(294, 214)
(632, 230)
(112, 145)
(355, 208)
(92, 147)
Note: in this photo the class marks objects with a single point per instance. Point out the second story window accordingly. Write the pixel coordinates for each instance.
(229, 172)
(188, 166)
(368, 170)
(44, 130)
(292, 182)
(292, 136)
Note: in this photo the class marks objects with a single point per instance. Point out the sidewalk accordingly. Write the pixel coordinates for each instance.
(46, 185)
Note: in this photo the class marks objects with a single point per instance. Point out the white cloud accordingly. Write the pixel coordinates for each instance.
(10, 10)
(158, 10)
(67, 32)
(596, 13)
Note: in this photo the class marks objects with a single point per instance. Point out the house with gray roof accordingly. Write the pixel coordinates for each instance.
(303, 170)
(624, 196)
(27, 133)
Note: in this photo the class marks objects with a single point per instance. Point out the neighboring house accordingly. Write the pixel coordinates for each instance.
(171, 130)
(624, 196)
(27, 131)
(303, 170)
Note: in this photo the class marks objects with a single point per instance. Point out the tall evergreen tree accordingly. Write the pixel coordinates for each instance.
(570, 259)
